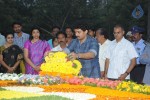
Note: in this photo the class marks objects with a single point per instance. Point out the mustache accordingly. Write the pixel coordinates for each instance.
(61, 41)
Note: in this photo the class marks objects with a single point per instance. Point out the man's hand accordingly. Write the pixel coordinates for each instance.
(72, 56)
(123, 76)
(105, 76)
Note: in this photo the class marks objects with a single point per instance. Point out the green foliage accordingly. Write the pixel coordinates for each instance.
(2, 89)
(48, 13)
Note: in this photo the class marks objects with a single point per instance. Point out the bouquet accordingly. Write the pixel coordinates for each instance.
(58, 62)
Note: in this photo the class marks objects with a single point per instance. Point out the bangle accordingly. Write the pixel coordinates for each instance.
(127, 73)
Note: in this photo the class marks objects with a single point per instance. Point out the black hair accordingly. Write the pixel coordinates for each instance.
(55, 27)
(81, 26)
(69, 28)
(91, 29)
(36, 28)
(103, 32)
(60, 32)
(16, 23)
(8, 33)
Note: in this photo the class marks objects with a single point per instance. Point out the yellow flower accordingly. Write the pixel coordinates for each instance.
(57, 62)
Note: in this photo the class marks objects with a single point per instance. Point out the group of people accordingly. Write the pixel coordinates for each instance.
(120, 59)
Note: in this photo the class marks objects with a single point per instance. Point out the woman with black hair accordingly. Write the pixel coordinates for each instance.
(10, 56)
(34, 51)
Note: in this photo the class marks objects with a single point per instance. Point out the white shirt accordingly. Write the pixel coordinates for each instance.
(57, 48)
(139, 47)
(120, 55)
(102, 52)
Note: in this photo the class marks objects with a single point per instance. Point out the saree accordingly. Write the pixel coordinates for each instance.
(10, 56)
(36, 53)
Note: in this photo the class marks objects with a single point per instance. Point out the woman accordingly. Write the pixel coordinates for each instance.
(34, 51)
(10, 56)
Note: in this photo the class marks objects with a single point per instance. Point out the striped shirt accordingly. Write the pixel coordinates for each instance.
(21, 40)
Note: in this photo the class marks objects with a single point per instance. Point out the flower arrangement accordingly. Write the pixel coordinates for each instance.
(133, 87)
(92, 82)
(39, 80)
(57, 62)
(9, 76)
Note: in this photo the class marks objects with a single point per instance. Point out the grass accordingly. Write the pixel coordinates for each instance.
(2, 89)
(51, 97)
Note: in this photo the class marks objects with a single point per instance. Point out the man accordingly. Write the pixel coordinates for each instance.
(2, 40)
(129, 36)
(91, 32)
(102, 38)
(137, 73)
(61, 37)
(19, 39)
(55, 30)
(145, 59)
(85, 48)
(19, 36)
(120, 57)
(69, 33)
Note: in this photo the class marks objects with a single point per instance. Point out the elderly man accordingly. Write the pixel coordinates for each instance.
(104, 42)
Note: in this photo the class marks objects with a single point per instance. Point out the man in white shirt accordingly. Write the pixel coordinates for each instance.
(120, 57)
(61, 37)
(102, 38)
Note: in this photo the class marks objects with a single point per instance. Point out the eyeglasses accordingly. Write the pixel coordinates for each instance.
(116, 33)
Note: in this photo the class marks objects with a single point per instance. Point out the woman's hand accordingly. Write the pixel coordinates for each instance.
(37, 68)
(10, 70)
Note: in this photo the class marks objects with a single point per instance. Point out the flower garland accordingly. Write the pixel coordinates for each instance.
(101, 93)
(57, 62)
(39, 80)
(133, 87)
(7, 83)
(92, 82)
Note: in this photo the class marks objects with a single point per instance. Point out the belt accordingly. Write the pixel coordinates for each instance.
(140, 65)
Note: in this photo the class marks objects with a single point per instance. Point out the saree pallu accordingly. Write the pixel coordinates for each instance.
(10, 56)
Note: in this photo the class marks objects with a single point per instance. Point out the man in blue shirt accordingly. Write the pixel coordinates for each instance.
(145, 59)
(19, 39)
(2, 40)
(85, 48)
(137, 73)
(19, 36)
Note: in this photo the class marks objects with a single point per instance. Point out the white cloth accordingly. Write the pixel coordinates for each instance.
(120, 55)
(102, 52)
(57, 48)
(139, 46)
